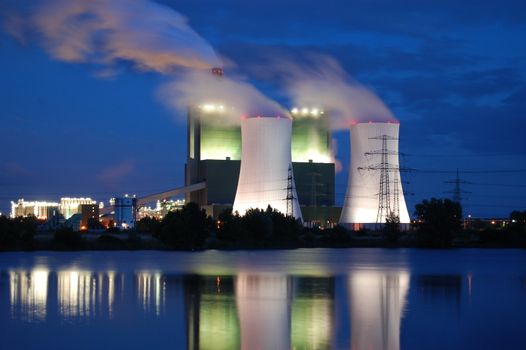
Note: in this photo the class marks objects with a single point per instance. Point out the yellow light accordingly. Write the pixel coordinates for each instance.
(314, 111)
(208, 108)
(304, 111)
(294, 110)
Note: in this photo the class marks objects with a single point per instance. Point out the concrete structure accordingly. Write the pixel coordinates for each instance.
(214, 154)
(39, 209)
(87, 212)
(361, 205)
(69, 206)
(125, 210)
(264, 177)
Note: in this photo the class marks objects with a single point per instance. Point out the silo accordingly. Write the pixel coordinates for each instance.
(374, 188)
(266, 176)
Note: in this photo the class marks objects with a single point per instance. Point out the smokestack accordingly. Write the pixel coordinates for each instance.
(218, 72)
(369, 143)
(264, 177)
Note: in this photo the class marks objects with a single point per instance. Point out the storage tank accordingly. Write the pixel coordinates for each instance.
(374, 146)
(266, 176)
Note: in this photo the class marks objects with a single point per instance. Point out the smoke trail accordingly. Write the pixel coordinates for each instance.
(235, 96)
(323, 82)
(151, 36)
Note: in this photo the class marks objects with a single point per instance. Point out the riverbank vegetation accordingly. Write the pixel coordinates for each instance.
(438, 224)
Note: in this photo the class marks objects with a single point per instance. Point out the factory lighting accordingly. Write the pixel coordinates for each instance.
(315, 112)
(210, 108)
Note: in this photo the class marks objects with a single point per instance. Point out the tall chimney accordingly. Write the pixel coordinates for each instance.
(217, 71)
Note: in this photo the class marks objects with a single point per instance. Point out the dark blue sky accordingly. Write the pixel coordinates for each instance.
(453, 73)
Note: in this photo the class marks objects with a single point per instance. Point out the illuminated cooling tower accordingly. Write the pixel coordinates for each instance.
(265, 177)
(374, 154)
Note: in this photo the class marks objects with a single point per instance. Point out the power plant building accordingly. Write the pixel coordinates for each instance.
(374, 188)
(70, 206)
(214, 157)
(39, 209)
(125, 211)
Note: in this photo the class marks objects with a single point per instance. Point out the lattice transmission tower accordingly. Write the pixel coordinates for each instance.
(290, 193)
(457, 192)
(385, 168)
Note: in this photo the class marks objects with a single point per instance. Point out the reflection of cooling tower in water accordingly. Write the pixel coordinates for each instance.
(263, 304)
(374, 153)
(377, 305)
(265, 177)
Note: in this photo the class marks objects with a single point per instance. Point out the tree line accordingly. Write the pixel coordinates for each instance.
(438, 224)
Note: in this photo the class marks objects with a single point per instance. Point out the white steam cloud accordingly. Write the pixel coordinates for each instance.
(324, 83)
(230, 97)
(151, 36)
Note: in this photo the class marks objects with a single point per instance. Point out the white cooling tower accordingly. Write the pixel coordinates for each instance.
(265, 164)
(369, 142)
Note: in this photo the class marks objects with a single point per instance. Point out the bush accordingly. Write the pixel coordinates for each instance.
(68, 237)
(187, 228)
(17, 231)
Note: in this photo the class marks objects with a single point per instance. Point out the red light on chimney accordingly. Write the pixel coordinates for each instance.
(217, 71)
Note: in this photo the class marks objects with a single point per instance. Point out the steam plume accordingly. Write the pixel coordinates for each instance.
(237, 96)
(151, 36)
(323, 82)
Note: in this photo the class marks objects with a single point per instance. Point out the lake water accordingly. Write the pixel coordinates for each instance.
(289, 299)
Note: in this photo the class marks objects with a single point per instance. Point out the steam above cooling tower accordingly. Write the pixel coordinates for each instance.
(374, 188)
(265, 177)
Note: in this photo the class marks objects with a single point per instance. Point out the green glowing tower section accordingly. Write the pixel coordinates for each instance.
(311, 138)
(211, 136)
(220, 142)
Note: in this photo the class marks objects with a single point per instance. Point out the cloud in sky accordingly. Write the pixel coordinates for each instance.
(151, 36)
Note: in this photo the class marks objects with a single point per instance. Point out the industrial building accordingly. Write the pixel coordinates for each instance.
(124, 211)
(39, 209)
(69, 206)
(214, 151)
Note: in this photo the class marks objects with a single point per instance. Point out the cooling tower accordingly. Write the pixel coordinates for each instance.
(374, 155)
(266, 167)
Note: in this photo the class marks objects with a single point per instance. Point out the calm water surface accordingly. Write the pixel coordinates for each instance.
(294, 299)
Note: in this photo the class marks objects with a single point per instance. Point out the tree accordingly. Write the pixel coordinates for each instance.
(187, 228)
(17, 230)
(147, 225)
(392, 227)
(437, 220)
(230, 226)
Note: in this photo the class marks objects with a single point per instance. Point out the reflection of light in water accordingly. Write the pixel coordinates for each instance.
(377, 303)
(263, 304)
(111, 292)
(77, 295)
(312, 313)
(150, 290)
(28, 294)
(218, 322)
